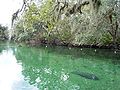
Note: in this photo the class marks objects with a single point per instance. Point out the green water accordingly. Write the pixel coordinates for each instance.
(50, 68)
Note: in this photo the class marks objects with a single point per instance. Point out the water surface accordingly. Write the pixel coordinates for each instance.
(50, 68)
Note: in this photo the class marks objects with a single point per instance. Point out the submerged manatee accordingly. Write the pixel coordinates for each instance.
(86, 75)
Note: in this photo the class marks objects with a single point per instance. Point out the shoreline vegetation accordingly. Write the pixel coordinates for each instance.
(87, 24)
(3, 33)
(58, 43)
(34, 43)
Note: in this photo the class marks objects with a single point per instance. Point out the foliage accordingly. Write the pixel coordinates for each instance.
(83, 23)
(3, 32)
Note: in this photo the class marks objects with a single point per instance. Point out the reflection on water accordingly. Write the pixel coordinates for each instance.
(50, 68)
(10, 72)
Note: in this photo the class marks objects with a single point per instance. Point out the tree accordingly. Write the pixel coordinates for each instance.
(81, 22)
(3, 31)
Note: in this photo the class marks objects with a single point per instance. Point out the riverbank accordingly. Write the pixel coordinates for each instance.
(37, 43)
(59, 43)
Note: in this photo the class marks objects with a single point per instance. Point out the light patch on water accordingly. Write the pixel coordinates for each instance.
(10, 72)
(48, 70)
(38, 80)
(95, 50)
(64, 76)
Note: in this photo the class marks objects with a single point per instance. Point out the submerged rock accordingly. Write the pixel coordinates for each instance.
(86, 75)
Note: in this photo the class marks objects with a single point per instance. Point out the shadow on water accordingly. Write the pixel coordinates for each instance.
(86, 75)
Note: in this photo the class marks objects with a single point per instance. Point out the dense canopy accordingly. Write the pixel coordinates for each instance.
(68, 22)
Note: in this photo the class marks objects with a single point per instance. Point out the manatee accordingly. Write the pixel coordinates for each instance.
(86, 75)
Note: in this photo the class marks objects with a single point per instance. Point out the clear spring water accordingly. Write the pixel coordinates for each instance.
(50, 68)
